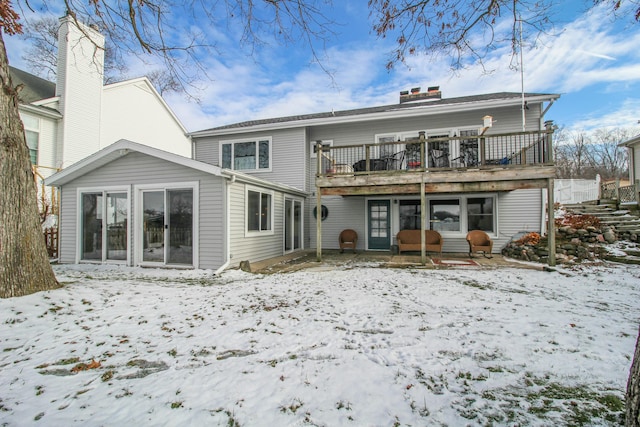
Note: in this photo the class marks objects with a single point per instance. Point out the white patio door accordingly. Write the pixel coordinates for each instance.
(167, 226)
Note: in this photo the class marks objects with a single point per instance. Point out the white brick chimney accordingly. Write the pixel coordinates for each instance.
(80, 78)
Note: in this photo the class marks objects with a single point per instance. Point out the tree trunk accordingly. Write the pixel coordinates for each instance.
(632, 418)
(24, 262)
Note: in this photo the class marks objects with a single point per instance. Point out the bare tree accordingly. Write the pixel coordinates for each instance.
(606, 156)
(581, 154)
(41, 57)
(463, 31)
(572, 155)
(164, 82)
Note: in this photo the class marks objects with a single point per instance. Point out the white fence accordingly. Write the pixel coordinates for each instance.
(576, 190)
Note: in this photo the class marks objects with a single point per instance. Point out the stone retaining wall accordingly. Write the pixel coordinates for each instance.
(572, 245)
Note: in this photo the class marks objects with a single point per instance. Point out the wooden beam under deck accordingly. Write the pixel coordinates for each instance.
(437, 182)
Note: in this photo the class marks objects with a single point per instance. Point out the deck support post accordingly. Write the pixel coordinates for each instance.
(551, 224)
(423, 219)
(318, 203)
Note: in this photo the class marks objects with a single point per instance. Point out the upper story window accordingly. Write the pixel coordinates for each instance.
(246, 155)
(32, 135)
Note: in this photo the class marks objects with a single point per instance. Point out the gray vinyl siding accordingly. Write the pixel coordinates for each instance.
(254, 247)
(288, 159)
(519, 210)
(138, 169)
(67, 224)
(347, 212)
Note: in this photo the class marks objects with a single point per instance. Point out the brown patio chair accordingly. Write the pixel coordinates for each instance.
(348, 239)
(479, 241)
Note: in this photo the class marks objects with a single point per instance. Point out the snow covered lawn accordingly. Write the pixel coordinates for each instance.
(356, 345)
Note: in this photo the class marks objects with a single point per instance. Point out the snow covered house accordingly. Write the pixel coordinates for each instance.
(260, 189)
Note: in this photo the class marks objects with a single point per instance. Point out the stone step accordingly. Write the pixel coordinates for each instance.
(580, 207)
(622, 218)
(630, 228)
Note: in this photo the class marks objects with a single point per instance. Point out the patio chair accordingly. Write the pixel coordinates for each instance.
(348, 239)
(439, 158)
(479, 241)
(395, 161)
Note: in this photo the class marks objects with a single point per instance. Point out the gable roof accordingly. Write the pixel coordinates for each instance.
(124, 147)
(436, 106)
(35, 88)
(144, 81)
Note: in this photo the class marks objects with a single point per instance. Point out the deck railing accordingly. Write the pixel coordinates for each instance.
(622, 193)
(438, 153)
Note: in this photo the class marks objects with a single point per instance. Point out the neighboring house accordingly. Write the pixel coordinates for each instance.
(633, 147)
(264, 188)
(78, 115)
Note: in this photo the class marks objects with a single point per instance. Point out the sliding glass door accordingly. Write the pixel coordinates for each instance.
(104, 226)
(167, 226)
(292, 225)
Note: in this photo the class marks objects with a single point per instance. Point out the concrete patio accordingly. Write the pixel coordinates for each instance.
(332, 258)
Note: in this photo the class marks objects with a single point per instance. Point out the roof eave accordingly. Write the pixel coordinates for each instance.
(418, 110)
(44, 111)
(117, 150)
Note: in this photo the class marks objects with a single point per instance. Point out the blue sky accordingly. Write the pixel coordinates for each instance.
(591, 60)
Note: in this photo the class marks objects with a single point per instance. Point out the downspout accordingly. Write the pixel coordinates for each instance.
(227, 227)
(423, 220)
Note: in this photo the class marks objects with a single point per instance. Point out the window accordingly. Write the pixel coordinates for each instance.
(445, 215)
(246, 155)
(259, 208)
(410, 214)
(32, 135)
(480, 213)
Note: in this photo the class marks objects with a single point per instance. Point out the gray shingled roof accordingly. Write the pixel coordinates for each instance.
(381, 109)
(35, 88)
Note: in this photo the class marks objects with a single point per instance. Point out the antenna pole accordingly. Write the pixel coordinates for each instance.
(522, 107)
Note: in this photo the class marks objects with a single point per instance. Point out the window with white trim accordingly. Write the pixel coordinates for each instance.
(458, 215)
(259, 211)
(480, 214)
(444, 215)
(32, 135)
(246, 155)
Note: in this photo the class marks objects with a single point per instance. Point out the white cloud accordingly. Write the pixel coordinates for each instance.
(626, 114)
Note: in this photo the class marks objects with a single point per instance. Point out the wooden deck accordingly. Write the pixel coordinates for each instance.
(469, 163)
